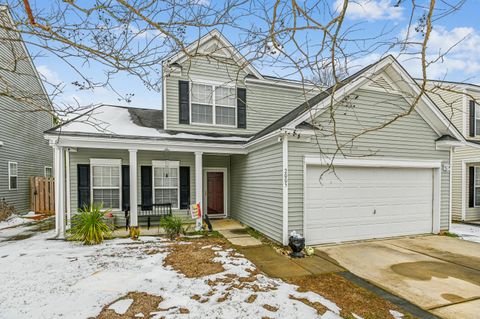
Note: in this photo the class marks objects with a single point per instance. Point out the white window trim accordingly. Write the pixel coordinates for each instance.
(10, 175)
(214, 85)
(475, 204)
(477, 127)
(169, 164)
(45, 171)
(107, 162)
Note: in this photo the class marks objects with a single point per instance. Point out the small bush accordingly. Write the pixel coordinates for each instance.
(173, 226)
(5, 210)
(89, 227)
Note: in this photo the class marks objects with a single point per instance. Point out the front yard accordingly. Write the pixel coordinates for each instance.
(154, 277)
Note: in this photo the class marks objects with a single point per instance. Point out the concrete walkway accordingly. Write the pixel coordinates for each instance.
(266, 258)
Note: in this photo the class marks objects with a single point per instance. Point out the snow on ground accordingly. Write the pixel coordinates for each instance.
(467, 232)
(12, 221)
(44, 278)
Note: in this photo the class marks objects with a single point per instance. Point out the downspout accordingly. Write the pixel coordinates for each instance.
(452, 149)
(284, 139)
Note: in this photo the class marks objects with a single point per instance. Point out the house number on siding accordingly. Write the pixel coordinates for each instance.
(285, 177)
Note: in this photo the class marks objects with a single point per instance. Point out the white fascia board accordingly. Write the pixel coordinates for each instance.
(428, 102)
(374, 162)
(447, 145)
(151, 145)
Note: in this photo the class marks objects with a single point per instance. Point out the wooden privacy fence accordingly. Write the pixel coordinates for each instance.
(42, 194)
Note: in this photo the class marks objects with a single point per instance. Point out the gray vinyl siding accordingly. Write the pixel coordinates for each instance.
(471, 156)
(265, 103)
(451, 101)
(257, 189)
(144, 158)
(409, 137)
(21, 123)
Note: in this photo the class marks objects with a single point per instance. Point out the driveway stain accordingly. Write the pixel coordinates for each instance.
(426, 270)
(452, 298)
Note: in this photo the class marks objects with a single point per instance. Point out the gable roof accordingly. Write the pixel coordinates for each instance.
(215, 35)
(302, 113)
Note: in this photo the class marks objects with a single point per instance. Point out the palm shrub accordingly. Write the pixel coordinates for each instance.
(88, 226)
(173, 226)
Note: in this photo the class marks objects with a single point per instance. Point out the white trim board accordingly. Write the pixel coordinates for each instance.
(223, 170)
(374, 162)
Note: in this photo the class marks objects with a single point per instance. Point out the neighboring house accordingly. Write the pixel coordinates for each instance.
(23, 119)
(250, 147)
(460, 103)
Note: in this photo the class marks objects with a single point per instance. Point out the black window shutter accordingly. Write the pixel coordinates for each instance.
(241, 108)
(83, 185)
(471, 186)
(184, 102)
(125, 187)
(146, 185)
(184, 187)
(472, 118)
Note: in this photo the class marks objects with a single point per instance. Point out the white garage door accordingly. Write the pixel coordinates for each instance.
(364, 203)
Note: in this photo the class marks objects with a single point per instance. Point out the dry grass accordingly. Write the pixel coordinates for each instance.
(348, 296)
(251, 298)
(193, 260)
(270, 308)
(142, 303)
(321, 309)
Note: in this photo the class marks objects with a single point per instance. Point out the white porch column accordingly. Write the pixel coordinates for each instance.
(133, 188)
(199, 185)
(67, 188)
(59, 160)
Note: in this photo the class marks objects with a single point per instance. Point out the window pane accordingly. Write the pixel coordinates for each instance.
(13, 182)
(106, 176)
(13, 169)
(477, 176)
(477, 125)
(477, 196)
(165, 196)
(202, 94)
(110, 198)
(225, 96)
(202, 113)
(165, 177)
(225, 115)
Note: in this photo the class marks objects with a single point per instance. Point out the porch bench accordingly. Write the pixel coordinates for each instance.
(154, 210)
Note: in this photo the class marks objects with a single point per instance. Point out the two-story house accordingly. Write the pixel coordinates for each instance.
(460, 103)
(24, 116)
(260, 150)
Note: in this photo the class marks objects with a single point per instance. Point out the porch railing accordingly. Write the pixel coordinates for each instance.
(154, 210)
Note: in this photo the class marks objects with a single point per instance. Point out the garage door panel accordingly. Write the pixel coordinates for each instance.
(362, 203)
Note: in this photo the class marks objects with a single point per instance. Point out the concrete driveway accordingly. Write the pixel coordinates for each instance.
(440, 274)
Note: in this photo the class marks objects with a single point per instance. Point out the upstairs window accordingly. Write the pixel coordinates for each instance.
(12, 175)
(48, 171)
(213, 104)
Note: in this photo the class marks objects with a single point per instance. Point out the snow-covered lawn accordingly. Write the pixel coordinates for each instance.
(43, 278)
(467, 232)
(12, 221)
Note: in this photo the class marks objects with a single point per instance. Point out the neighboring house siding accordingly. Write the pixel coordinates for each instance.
(265, 103)
(256, 190)
(21, 124)
(471, 157)
(410, 138)
(144, 158)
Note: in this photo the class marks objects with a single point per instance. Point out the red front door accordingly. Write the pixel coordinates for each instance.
(215, 193)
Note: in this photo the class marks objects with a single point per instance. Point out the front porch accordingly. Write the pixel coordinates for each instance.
(136, 180)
